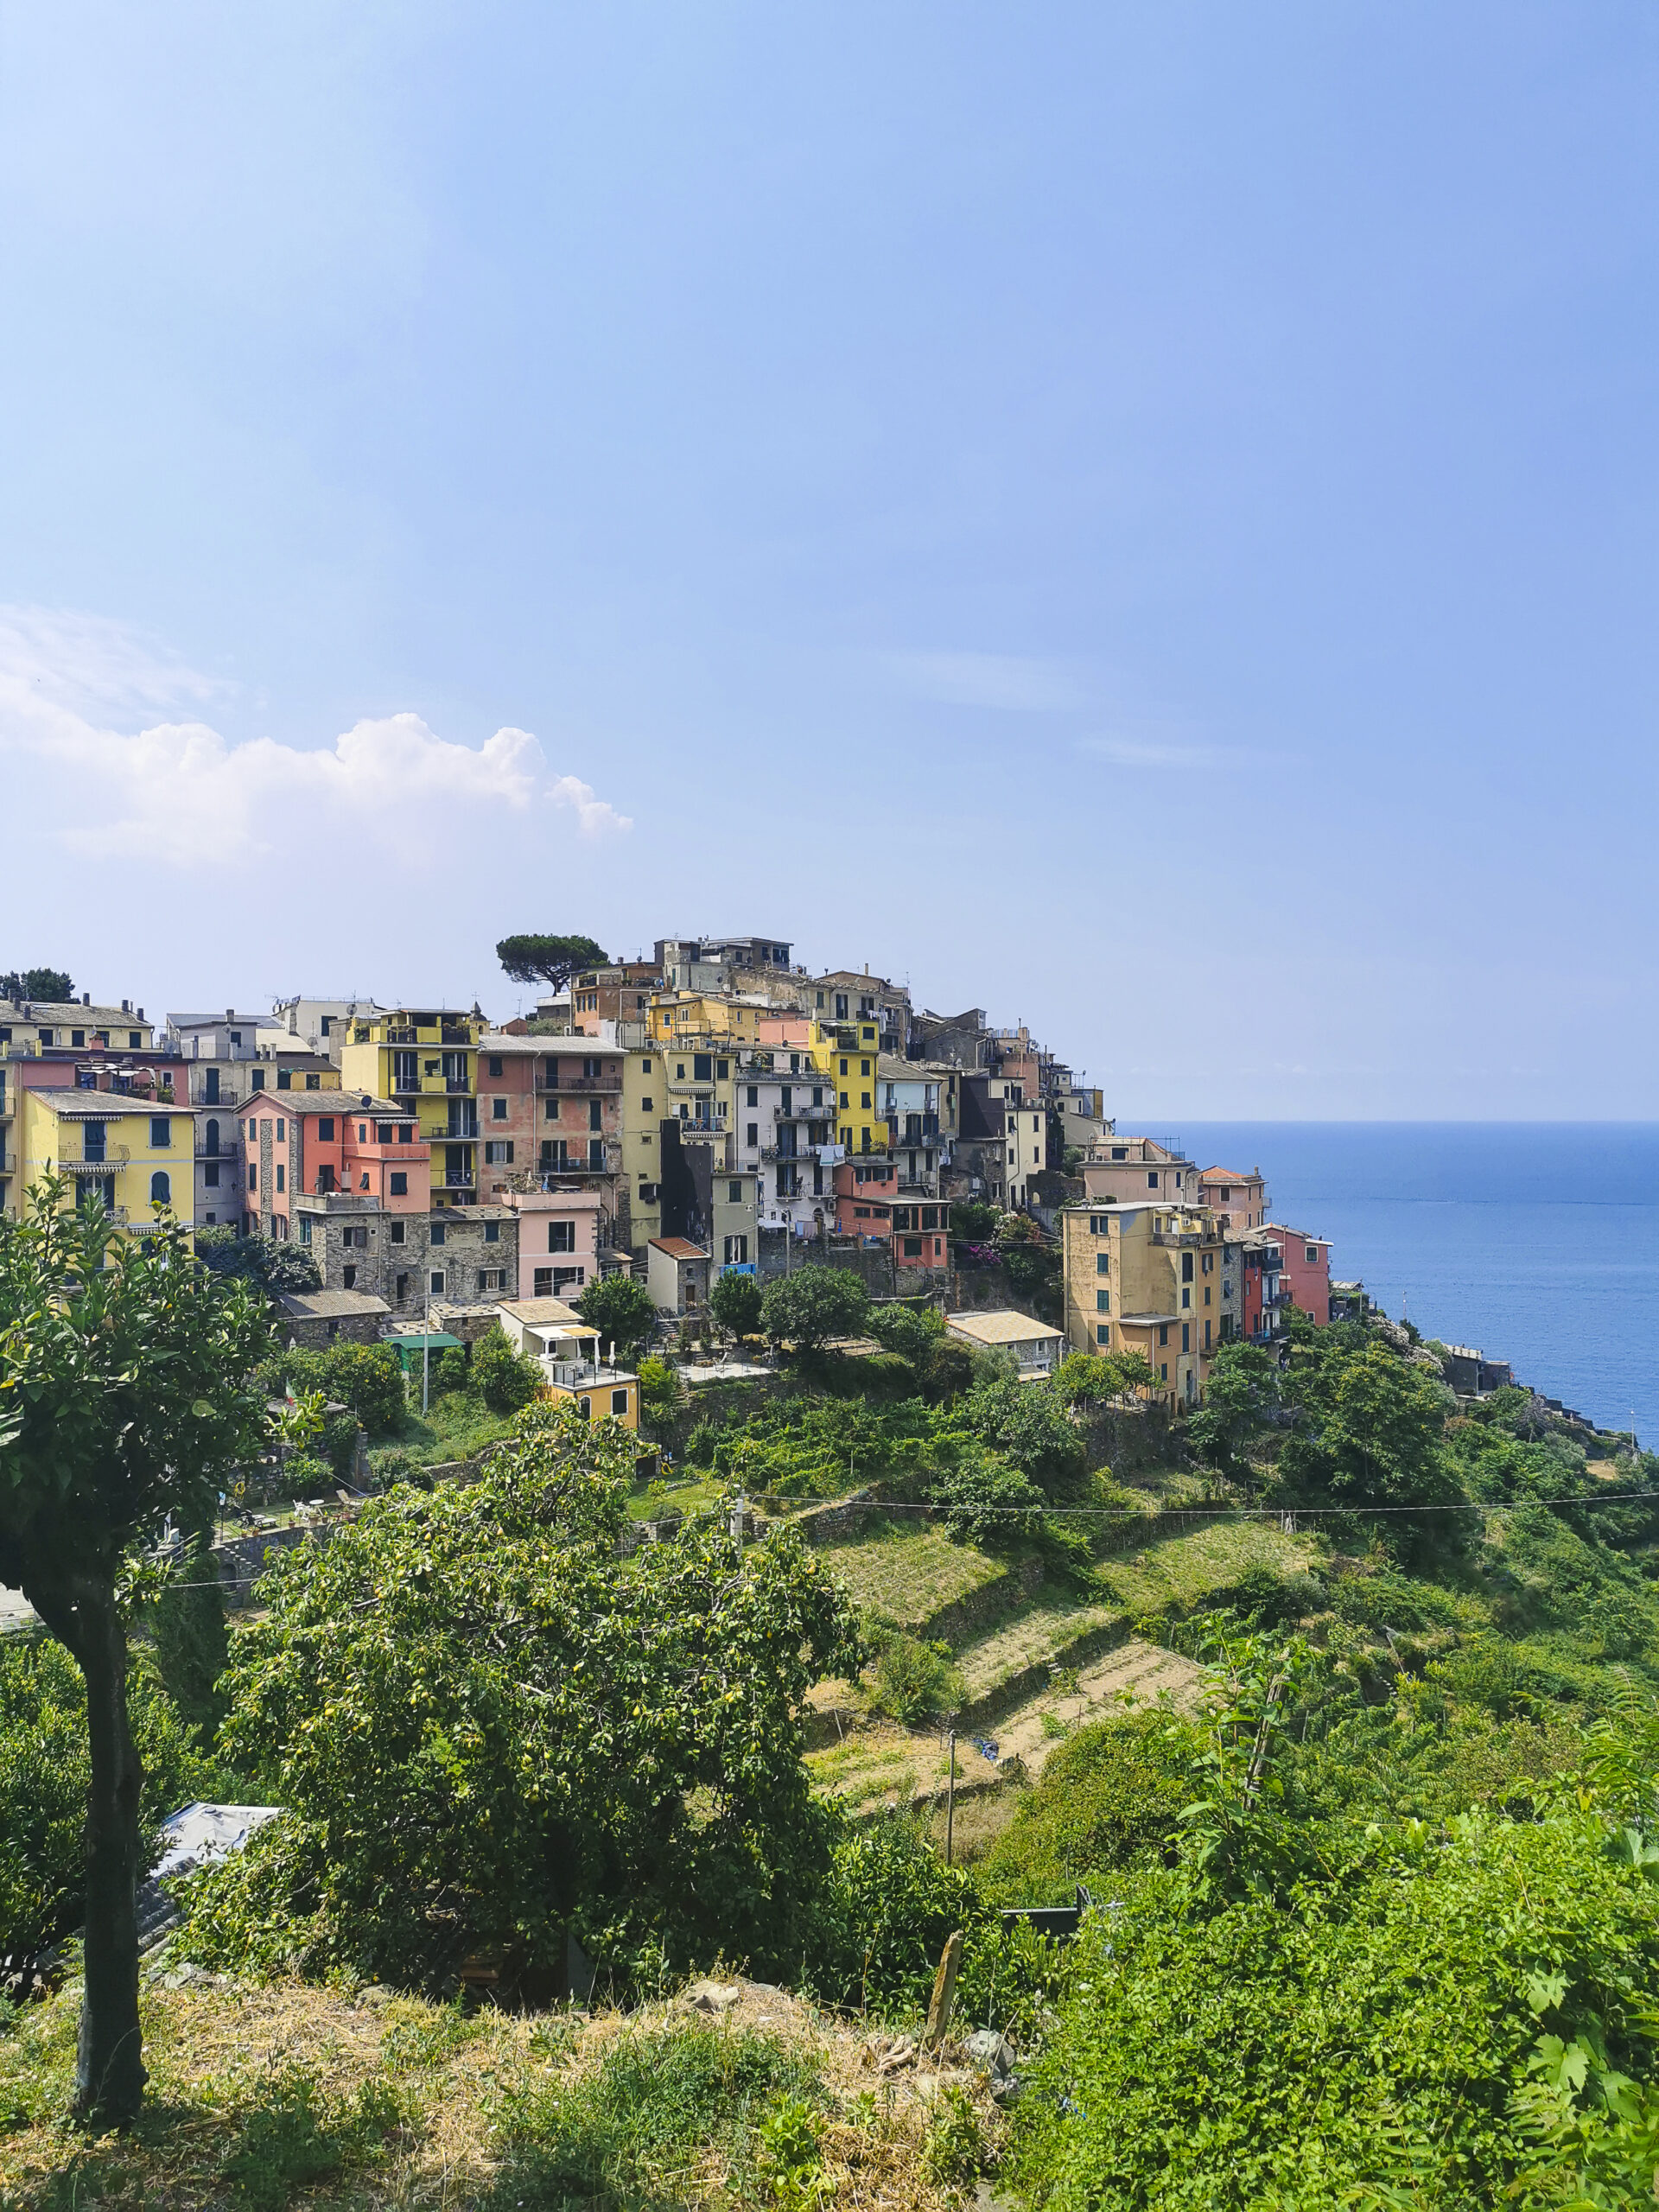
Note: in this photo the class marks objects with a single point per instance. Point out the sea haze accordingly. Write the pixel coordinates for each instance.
(1536, 1241)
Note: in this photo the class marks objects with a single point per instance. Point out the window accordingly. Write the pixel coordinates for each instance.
(161, 1188)
(402, 1291)
(161, 1134)
(1186, 1299)
(314, 1082)
(405, 1133)
(913, 1248)
(864, 1069)
(1102, 1263)
(1207, 1336)
(843, 1067)
(645, 1067)
(437, 1233)
(491, 1232)
(1102, 1332)
(735, 1193)
(256, 1080)
(843, 1100)
(436, 1280)
(595, 1114)
(1163, 1370)
(362, 1132)
(1206, 1294)
(560, 1235)
(1186, 1336)
(399, 1185)
(285, 1078)
(325, 1129)
(282, 1132)
(281, 1176)
(1152, 1181)
(348, 1278)
(585, 1408)
(737, 1251)
(135, 1040)
(754, 1094)
(328, 1023)
(542, 1283)
(645, 1106)
(1311, 1253)
(1186, 1267)
(1163, 1337)
(500, 1154)
(620, 1404)
(495, 1064)
(397, 1228)
(492, 1278)
(77, 1037)
(1103, 1302)
(383, 1133)
(210, 1175)
(754, 1136)
(497, 1109)
(702, 1067)
(563, 1277)
(305, 1228)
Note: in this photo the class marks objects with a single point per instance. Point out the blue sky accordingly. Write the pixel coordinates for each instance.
(1141, 518)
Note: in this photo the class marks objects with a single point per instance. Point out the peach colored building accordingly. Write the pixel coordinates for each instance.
(549, 1115)
(1305, 1274)
(1138, 1170)
(866, 1191)
(1240, 1201)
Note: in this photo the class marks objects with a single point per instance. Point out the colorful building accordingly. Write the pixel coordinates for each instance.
(1305, 1281)
(1140, 1169)
(121, 1137)
(1240, 1201)
(558, 1240)
(1146, 1278)
(426, 1061)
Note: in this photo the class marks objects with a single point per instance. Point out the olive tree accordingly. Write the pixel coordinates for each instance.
(124, 1396)
(814, 1304)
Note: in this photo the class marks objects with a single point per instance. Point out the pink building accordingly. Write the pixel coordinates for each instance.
(558, 1241)
(1306, 1278)
(1240, 1201)
(329, 1143)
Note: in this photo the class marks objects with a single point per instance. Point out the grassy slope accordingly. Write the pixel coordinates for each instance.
(265, 2097)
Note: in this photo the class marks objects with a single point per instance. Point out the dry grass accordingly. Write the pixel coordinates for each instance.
(213, 2052)
(1044, 1631)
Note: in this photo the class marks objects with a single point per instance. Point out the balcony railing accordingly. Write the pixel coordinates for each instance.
(98, 1163)
(460, 1178)
(547, 1085)
(458, 1085)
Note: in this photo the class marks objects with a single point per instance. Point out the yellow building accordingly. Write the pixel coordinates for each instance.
(645, 1103)
(847, 1052)
(428, 1062)
(1146, 1278)
(676, 1014)
(571, 1359)
(133, 1149)
(73, 1024)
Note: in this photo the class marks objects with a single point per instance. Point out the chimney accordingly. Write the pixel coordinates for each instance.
(141, 1014)
(85, 998)
(229, 1014)
(126, 1006)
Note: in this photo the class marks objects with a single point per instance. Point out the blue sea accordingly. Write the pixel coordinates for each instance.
(1537, 1242)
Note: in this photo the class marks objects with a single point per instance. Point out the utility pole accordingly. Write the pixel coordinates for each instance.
(950, 1801)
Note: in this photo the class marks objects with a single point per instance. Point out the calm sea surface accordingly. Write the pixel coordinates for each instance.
(1536, 1241)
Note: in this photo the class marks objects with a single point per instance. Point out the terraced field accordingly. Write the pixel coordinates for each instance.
(1046, 1632)
(1178, 1573)
(903, 1577)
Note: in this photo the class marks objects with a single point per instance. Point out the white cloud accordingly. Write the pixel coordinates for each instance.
(179, 792)
(1001, 680)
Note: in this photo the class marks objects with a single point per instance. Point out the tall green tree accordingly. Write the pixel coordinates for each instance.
(52, 984)
(734, 1301)
(621, 1309)
(550, 960)
(124, 1396)
(814, 1304)
(487, 1727)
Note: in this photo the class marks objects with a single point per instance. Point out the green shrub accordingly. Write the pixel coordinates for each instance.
(44, 1774)
(914, 1680)
(637, 2131)
(1385, 2042)
(504, 1379)
(895, 1903)
(1109, 1798)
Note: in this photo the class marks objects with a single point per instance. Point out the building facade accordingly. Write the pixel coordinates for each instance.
(1146, 1278)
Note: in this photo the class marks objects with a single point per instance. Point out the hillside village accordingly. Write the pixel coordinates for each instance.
(716, 1109)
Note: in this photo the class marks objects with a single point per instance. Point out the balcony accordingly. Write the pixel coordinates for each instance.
(548, 1086)
(458, 1086)
(229, 1094)
(449, 1034)
(98, 1163)
(460, 1178)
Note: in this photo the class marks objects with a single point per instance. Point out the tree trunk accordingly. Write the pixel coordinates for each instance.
(110, 2073)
